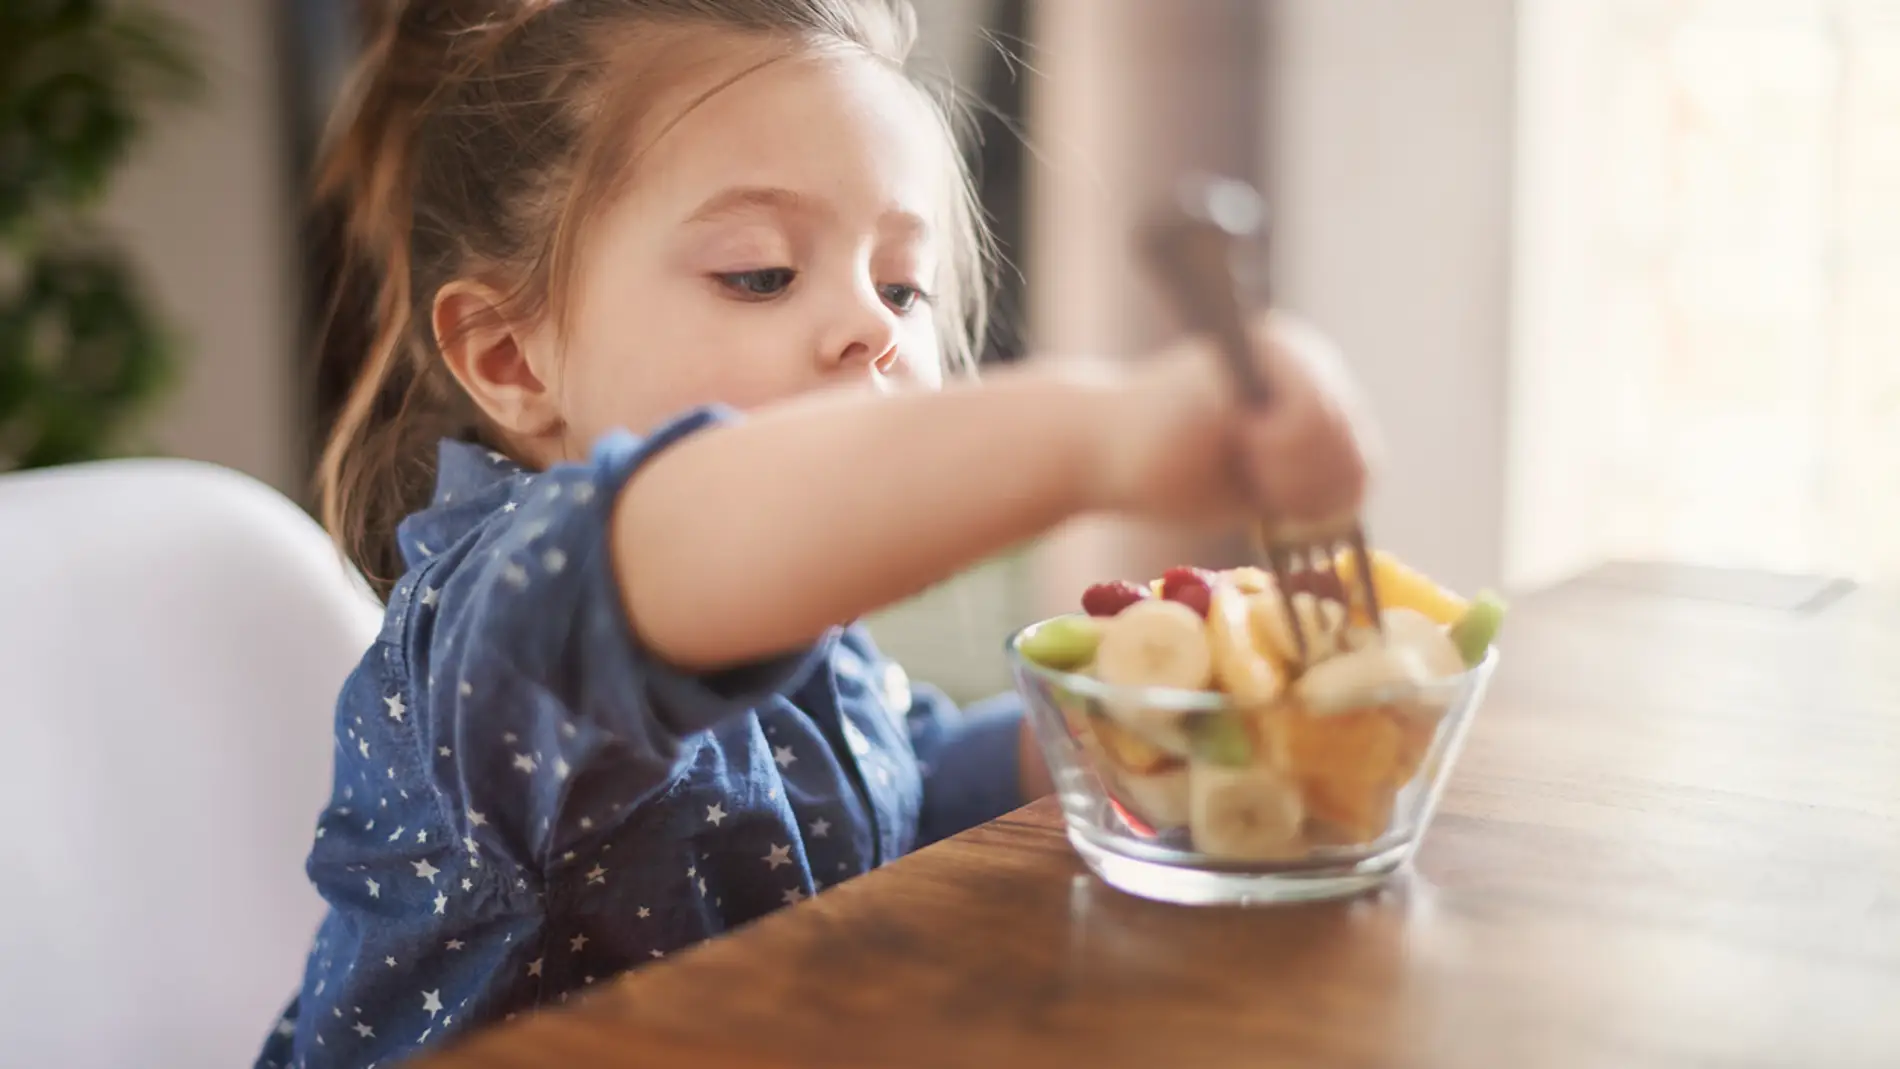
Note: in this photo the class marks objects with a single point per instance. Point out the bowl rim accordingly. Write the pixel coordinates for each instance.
(1176, 699)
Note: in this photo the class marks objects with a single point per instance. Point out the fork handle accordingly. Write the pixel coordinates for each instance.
(1191, 253)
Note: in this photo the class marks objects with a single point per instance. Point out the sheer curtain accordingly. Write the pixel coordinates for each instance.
(1707, 357)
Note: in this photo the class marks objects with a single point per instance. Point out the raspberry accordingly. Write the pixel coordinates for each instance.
(1192, 587)
(1107, 599)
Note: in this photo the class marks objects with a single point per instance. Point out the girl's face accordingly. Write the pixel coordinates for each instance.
(783, 235)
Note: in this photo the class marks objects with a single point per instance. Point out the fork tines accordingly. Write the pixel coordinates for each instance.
(1306, 562)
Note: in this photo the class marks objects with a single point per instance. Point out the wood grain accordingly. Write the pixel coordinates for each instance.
(1673, 840)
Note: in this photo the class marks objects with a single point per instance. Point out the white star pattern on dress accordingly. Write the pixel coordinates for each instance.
(560, 768)
(657, 953)
(441, 902)
(597, 874)
(586, 823)
(454, 944)
(568, 856)
(779, 855)
(820, 828)
(568, 729)
(465, 689)
(422, 836)
(576, 943)
(432, 1002)
(365, 1030)
(515, 575)
(396, 707)
(583, 492)
(554, 560)
(443, 750)
(784, 756)
(702, 886)
(397, 834)
(375, 889)
(429, 595)
(644, 913)
(467, 884)
(320, 832)
(475, 818)
(362, 746)
(714, 814)
(510, 507)
(534, 967)
(524, 762)
(794, 896)
(510, 737)
(286, 1027)
(424, 870)
(391, 962)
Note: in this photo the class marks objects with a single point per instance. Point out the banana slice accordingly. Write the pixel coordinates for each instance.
(1247, 675)
(1131, 752)
(1249, 579)
(1159, 798)
(1320, 621)
(1243, 814)
(1155, 643)
(1371, 676)
(1424, 636)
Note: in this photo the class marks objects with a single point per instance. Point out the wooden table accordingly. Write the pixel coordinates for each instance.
(1673, 840)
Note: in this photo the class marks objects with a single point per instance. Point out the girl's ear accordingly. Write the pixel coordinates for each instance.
(494, 359)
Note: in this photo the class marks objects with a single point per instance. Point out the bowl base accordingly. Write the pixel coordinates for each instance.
(1178, 885)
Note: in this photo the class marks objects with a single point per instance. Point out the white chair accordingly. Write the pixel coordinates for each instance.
(172, 639)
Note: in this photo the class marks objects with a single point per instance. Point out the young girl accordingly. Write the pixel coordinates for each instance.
(666, 291)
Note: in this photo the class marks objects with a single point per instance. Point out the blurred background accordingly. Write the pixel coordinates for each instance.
(1622, 277)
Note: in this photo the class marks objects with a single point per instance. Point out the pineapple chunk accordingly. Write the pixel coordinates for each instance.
(1400, 586)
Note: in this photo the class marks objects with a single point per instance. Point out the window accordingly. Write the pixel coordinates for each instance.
(1707, 364)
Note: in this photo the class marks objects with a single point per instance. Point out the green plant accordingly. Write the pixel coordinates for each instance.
(80, 352)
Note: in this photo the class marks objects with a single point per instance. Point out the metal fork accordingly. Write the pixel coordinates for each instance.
(1191, 250)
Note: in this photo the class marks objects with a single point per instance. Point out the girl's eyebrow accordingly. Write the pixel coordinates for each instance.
(740, 200)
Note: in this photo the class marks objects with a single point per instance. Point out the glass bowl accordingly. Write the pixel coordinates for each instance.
(1187, 797)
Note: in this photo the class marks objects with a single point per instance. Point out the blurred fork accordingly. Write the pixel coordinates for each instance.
(1190, 250)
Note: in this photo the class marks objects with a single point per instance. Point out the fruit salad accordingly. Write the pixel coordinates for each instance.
(1210, 720)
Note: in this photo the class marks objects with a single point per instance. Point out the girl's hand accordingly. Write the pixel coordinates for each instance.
(1187, 449)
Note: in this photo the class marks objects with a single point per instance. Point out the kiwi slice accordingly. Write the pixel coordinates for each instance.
(1220, 739)
(1478, 627)
(1064, 643)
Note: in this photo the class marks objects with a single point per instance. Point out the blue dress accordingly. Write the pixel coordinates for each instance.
(526, 802)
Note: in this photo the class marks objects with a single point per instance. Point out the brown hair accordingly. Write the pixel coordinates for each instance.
(475, 137)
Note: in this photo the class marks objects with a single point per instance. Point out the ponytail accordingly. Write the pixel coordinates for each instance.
(378, 461)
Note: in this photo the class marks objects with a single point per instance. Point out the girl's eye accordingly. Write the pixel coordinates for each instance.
(766, 282)
(902, 296)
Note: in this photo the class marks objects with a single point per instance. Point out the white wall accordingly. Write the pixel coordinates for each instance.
(205, 209)
(1390, 168)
